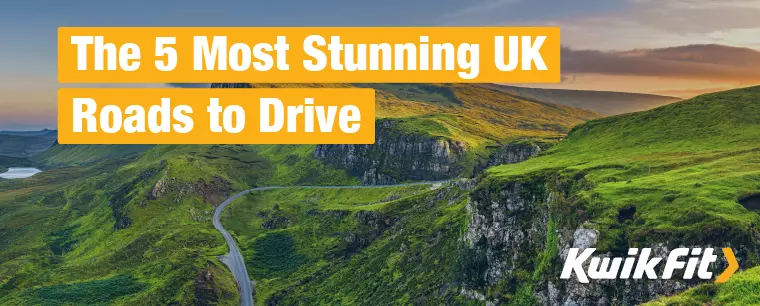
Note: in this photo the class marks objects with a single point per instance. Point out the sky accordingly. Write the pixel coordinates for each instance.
(670, 47)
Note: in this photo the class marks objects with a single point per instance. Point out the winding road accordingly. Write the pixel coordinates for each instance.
(234, 259)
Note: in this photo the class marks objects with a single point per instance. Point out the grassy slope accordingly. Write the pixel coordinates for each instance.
(58, 226)
(683, 166)
(60, 230)
(741, 289)
(78, 155)
(346, 246)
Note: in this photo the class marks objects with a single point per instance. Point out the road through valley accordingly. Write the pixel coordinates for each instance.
(234, 259)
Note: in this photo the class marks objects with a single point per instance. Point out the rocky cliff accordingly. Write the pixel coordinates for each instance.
(397, 156)
(512, 153)
(519, 235)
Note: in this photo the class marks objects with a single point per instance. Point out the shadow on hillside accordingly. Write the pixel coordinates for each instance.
(751, 202)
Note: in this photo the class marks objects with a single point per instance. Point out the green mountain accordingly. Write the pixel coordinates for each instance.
(125, 224)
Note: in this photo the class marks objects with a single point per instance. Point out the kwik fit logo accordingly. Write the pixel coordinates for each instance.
(694, 263)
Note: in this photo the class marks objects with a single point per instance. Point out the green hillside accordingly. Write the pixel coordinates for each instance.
(79, 155)
(741, 289)
(341, 246)
(683, 167)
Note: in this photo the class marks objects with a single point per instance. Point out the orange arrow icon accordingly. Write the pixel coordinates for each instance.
(733, 265)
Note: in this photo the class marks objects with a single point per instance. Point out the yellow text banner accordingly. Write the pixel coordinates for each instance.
(308, 54)
(216, 116)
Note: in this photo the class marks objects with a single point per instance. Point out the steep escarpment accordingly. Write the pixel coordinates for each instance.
(397, 156)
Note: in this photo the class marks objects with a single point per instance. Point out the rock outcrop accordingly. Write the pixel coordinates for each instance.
(397, 156)
(213, 192)
(519, 236)
(512, 153)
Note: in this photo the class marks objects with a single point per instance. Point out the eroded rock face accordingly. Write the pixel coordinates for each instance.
(213, 192)
(512, 153)
(504, 226)
(506, 240)
(397, 157)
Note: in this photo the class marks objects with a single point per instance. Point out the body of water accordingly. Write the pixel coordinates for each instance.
(17, 173)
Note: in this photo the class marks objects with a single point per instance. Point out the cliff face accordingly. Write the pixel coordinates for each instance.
(519, 236)
(512, 153)
(397, 156)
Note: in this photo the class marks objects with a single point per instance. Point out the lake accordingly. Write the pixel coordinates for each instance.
(17, 173)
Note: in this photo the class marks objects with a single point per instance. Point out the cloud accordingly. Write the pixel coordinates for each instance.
(658, 23)
(478, 8)
(696, 62)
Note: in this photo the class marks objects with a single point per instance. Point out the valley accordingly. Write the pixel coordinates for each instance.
(469, 196)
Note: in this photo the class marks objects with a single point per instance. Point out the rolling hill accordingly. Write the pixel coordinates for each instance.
(604, 102)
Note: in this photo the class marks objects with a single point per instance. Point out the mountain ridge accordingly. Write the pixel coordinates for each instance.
(605, 102)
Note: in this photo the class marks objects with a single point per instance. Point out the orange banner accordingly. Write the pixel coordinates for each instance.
(309, 54)
(216, 116)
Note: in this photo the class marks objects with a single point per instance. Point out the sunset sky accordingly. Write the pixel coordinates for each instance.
(670, 47)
